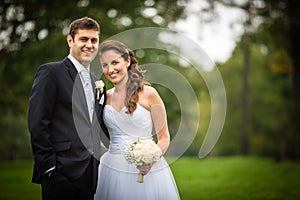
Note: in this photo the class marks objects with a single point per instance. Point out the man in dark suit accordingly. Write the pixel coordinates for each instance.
(65, 119)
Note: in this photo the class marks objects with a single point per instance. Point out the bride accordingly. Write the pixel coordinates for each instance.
(131, 109)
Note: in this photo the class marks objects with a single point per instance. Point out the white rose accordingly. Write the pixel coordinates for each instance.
(99, 85)
(148, 158)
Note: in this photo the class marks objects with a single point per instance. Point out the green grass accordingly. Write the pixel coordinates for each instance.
(15, 181)
(230, 178)
(236, 178)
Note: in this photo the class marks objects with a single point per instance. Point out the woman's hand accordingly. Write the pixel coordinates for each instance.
(144, 169)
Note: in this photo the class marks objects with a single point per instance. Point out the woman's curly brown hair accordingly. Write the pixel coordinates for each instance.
(135, 82)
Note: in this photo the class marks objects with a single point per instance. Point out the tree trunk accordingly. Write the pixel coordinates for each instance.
(283, 134)
(294, 30)
(245, 93)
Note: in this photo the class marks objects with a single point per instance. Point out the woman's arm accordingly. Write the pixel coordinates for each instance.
(151, 100)
(155, 105)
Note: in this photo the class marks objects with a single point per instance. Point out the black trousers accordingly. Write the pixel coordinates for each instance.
(58, 187)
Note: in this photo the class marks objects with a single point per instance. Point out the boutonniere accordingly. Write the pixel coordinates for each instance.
(99, 88)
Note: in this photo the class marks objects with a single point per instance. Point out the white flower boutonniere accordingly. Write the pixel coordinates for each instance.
(99, 88)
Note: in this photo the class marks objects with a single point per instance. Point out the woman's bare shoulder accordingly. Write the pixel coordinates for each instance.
(150, 91)
(150, 95)
(109, 93)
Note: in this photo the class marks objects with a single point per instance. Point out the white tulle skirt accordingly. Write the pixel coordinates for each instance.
(118, 180)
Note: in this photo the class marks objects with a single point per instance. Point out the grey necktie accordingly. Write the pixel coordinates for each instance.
(88, 90)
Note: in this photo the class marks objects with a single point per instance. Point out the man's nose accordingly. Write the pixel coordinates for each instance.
(89, 43)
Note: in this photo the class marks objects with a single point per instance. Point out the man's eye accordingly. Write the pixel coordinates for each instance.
(94, 41)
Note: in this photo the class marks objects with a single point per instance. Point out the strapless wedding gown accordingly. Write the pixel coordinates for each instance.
(117, 179)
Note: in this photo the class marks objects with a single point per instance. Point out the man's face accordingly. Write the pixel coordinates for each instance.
(84, 46)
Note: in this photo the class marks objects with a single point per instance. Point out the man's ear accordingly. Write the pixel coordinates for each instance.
(69, 40)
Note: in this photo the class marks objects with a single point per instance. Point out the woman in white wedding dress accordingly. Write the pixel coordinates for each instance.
(131, 109)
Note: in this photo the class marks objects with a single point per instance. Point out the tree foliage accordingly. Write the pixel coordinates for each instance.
(270, 109)
(33, 32)
(272, 26)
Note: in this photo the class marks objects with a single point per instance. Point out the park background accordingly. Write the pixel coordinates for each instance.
(257, 154)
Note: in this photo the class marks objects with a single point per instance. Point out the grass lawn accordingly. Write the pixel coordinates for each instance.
(236, 178)
(230, 178)
(15, 181)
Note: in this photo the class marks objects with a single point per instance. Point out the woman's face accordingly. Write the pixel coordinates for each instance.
(114, 67)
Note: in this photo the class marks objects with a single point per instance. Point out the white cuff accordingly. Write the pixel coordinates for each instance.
(52, 168)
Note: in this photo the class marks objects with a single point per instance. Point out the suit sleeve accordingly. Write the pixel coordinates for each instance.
(104, 135)
(41, 104)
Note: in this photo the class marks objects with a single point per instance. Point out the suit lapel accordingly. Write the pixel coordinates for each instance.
(94, 79)
(94, 85)
(71, 68)
(78, 91)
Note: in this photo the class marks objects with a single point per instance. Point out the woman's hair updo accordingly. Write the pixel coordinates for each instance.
(135, 81)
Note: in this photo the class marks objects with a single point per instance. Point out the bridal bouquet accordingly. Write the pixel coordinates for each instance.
(140, 152)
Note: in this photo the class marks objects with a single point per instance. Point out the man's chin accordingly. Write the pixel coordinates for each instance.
(86, 62)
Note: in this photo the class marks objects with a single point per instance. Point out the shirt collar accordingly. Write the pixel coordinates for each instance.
(79, 67)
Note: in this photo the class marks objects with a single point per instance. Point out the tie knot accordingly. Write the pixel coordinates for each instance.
(85, 75)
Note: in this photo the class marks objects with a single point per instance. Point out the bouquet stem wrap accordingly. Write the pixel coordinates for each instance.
(140, 178)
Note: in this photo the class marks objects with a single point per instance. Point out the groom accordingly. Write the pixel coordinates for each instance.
(65, 119)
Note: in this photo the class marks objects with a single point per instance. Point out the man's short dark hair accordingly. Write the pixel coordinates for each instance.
(83, 23)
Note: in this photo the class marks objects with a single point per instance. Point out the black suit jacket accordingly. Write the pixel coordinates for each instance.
(62, 134)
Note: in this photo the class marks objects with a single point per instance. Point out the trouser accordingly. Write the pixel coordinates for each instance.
(59, 187)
